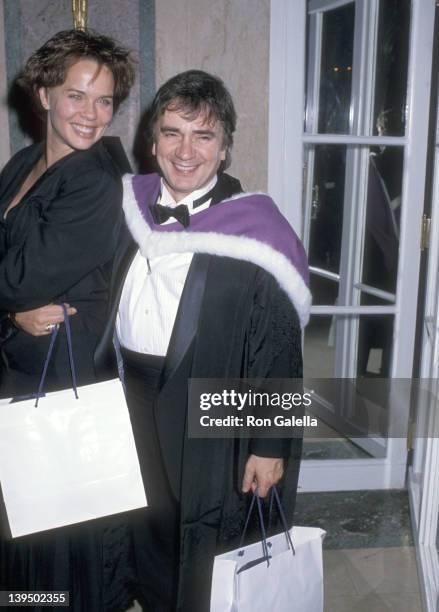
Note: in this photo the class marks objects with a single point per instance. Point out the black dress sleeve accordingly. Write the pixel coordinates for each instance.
(74, 234)
(275, 349)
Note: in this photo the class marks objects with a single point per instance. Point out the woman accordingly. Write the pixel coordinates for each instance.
(60, 215)
(60, 209)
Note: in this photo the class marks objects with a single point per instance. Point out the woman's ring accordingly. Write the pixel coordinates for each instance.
(51, 326)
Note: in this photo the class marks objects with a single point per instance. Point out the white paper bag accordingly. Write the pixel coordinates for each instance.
(291, 583)
(68, 460)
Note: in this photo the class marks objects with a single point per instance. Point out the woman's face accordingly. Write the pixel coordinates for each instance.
(79, 110)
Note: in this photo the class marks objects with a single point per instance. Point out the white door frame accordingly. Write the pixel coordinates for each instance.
(285, 180)
(286, 104)
(423, 475)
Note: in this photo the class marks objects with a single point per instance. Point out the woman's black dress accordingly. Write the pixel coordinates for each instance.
(57, 244)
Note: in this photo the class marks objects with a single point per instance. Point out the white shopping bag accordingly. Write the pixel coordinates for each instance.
(267, 576)
(68, 460)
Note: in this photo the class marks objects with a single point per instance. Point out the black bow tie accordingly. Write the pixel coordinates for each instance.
(160, 214)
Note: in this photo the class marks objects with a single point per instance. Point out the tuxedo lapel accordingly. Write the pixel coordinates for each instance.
(122, 261)
(104, 358)
(226, 187)
(119, 278)
(186, 321)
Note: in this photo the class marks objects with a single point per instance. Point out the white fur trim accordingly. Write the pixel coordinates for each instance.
(152, 244)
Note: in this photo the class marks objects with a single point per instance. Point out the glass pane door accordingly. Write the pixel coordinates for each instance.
(353, 199)
(423, 473)
(363, 148)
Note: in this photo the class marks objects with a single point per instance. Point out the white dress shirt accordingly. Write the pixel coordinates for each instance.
(151, 294)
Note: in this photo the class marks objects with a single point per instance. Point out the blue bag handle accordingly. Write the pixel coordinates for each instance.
(265, 555)
(274, 495)
(49, 355)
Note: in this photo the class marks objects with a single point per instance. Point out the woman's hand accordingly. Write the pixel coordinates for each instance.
(40, 321)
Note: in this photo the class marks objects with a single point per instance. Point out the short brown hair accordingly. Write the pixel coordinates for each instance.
(48, 65)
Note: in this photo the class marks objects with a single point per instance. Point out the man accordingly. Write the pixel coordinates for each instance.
(197, 295)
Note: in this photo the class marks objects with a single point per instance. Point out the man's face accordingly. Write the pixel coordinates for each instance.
(189, 151)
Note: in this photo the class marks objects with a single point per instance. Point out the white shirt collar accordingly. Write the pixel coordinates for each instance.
(167, 199)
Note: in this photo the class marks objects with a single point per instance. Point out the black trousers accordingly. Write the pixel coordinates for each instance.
(155, 529)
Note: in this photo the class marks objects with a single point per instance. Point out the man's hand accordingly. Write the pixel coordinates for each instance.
(262, 473)
(36, 322)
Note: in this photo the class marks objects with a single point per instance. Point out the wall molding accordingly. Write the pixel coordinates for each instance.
(5, 151)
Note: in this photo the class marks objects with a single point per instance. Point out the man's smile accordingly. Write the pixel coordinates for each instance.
(185, 169)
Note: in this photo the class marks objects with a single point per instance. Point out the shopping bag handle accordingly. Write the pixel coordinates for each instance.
(257, 499)
(274, 495)
(49, 355)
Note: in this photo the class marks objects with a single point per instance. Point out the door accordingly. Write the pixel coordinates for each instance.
(423, 473)
(362, 172)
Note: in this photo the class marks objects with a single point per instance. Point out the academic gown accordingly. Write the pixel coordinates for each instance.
(233, 321)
